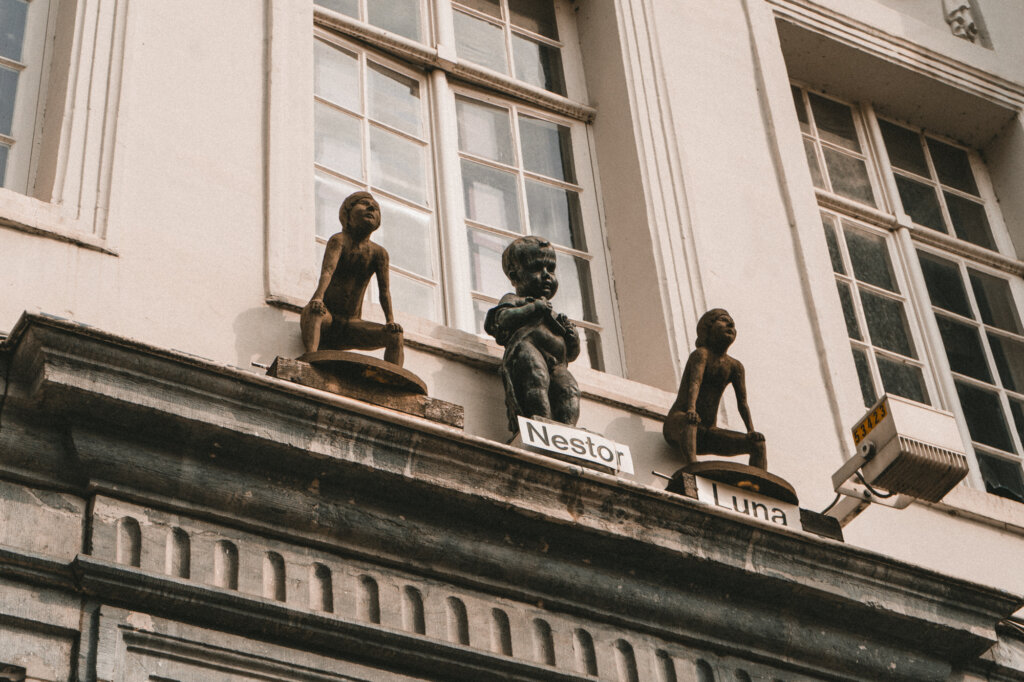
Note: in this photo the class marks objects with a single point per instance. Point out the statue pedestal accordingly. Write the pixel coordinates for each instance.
(369, 379)
(741, 476)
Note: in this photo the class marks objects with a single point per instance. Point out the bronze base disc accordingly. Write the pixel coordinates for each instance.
(740, 476)
(366, 367)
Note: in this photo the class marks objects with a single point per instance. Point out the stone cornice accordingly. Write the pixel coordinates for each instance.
(172, 431)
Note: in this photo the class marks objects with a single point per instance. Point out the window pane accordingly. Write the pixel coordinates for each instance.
(491, 7)
(575, 294)
(480, 309)
(920, 203)
(984, 416)
(394, 99)
(904, 147)
(336, 76)
(398, 16)
(347, 7)
(330, 192)
(8, 93)
(4, 149)
(1017, 410)
(490, 196)
(945, 286)
(995, 302)
(407, 235)
(547, 148)
(812, 162)
(829, 223)
(538, 64)
(867, 386)
(846, 298)
(835, 122)
(480, 42)
(591, 354)
(1009, 357)
(963, 348)
(486, 274)
(338, 141)
(1002, 478)
(887, 323)
(413, 297)
(534, 15)
(801, 112)
(849, 176)
(870, 259)
(398, 165)
(12, 28)
(901, 379)
(555, 214)
(953, 166)
(969, 221)
(485, 130)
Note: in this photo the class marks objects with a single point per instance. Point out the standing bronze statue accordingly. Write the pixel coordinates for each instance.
(691, 425)
(332, 320)
(539, 343)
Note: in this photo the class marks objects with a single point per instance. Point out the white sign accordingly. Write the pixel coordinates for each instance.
(753, 505)
(576, 443)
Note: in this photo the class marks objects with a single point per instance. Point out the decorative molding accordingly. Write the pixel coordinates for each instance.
(960, 17)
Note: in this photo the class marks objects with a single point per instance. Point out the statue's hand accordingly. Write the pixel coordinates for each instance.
(692, 417)
(393, 328)
(563, 319)
(755, 436)
(317, 307)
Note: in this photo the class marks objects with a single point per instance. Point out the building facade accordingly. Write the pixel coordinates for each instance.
(846, 178)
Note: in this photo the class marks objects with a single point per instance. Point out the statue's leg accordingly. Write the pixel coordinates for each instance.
(759, 454)
(311, 325)
(564, 396)
(363, 335)
(394, 347)
(528, 371)
(729, 443)
(681, 435)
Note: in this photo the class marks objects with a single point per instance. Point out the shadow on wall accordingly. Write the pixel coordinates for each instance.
(263, 333)
(648, 446)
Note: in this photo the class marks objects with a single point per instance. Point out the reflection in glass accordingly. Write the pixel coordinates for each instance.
(995, 302)
(336, 75)
(969, 221)
(538, 64)
(537, 16)
(490, 196)
(849, 314)
(484, 130)
(963, 348)
(407, 235)
(801, 112)
(575, 294)
(849, 176)
(346, 7)
(952, 166)
(329, 192)
(829, 223)
(398, 165)
(921, 203)
(812, 162)
(887, 323)
(13, 14)
(394, 99)
(1009, 357)
(870, 259)
(8, 91)
(486, 275)
(867, 386)
(834, 121)
(902, 379)
(398, 16)
(1002, 477)
(547, 148)
(480, 42)
(984, 416)
(555, 214)
(945, 287)
(338, 141)
(904, 147)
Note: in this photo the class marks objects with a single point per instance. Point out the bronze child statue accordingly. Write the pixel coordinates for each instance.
(332, 320)
(539, 344)
(690, 427)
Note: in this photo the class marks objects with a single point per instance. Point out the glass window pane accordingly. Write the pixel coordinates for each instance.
(575, 295)
(491, 7)
(963, 348)
(849, 314)
(867, 386)
(338, 141)
(984, 416)
(849, 176)
(490, 196)
(945, 286)
(412, 297)
(547, 148)
(887, 323)
(12, 28)
(398, 16)
(8, 94)
(995, 302)
(969, 221)
(480, 309)
(534, 15)
(1017, 410)
(4, 149)
(398, 165)
(1002, 477)
(346, 7)
(484, 130)
(829, 223)
(407, 235)
(953, 166)
(480, 42)
(336, 75)
(555, 214)
(870, 259)
(538, 64)
(904, 147)
(834, 121)
(801, 111)
(486, 275)
(394, 99)
(591, 354)
(330, 192)
(1009, 357)
(812, 162)
(902, 379)
(921, 203)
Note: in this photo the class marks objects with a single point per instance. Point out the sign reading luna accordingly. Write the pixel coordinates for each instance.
(753, 505)
(576, 443)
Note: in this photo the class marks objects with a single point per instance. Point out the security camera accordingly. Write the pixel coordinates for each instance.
(905, 452)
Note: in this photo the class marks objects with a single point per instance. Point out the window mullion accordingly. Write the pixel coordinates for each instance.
(876, 144)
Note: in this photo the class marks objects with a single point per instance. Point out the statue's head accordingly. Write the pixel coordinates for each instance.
(716, 329)
(529, 262)
(360, 212)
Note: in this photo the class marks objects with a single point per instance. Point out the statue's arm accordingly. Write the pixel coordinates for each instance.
(689, 386)
(332, 255)
(739, 385)
(513, 316)
(384, 289)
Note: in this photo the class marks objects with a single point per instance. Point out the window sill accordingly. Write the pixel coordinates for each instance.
(983, 507)
(32, 216)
